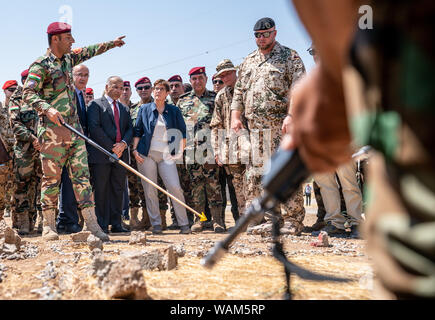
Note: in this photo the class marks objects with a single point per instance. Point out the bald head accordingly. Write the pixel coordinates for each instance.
(114, 86)
(80, 76)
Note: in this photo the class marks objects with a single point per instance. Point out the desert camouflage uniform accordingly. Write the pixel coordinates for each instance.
(9, 140)
(399, 122)
(28, 170)
(50, 85)
(203, 178)
(3, 180)
(221, 133)
(261, 94)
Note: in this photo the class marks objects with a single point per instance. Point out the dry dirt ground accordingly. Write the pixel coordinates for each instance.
(248, 271)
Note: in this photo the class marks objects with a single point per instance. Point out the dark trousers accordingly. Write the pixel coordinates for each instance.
(308, 199)
(109, 186)
(67, 201)
(224, 180)
(125, 203)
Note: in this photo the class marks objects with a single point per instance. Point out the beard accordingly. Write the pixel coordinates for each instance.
(265, 46)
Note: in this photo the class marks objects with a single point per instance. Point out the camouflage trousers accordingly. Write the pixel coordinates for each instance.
(3, 181)
(28, 174)
(11, 186)
(239, 183)
(184, 177)
(136, 192)
(263, 143)
(204, 184)
(60, 148)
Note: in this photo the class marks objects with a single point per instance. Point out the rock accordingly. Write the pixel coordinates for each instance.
(322, 240)
(262, 229)
(180, 251)
(10, 236)
(137, 237)
(157, 259)
(94, 243)
(80, 236)
(125, 280)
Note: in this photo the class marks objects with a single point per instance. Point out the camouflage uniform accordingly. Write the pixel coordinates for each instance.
(398, 65)
(203, 178)
(261, 94)
(50, 85)
(28, 170)
(9, 140)
(3, 180)
(222, 120)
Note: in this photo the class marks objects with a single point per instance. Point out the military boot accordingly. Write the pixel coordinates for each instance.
(217, 219)
(163, 216)
(145, 222)
(91, 223)
(135, 224)
(49, 225)
(38, 222)
(23, 223)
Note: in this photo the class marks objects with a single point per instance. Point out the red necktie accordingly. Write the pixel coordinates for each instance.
(116, 115)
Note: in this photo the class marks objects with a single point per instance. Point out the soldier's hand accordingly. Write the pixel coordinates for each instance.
(286, 125)
(119, 42)
(236, 124)
(36, 145)
(54, 116)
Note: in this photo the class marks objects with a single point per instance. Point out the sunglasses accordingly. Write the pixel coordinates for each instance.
(143, 88)
(311, 51)
(11, 89)
(218, 82)
(263, 34)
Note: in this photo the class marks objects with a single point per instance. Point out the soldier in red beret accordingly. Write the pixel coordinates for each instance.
(49, 90)
(89, 95)
(176, 89)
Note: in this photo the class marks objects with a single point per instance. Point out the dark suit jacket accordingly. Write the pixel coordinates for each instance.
(102, 129)
(82, 113)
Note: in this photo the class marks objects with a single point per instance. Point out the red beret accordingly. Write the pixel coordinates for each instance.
(142, 80)
(58, 28)
(89, 91)
(9, 84)
(196, 70)
(25, 73)
(126, 83)
(175, 78)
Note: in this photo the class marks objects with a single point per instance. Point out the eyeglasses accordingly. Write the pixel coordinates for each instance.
(263, 34)
(11, 89)
(143, 88)
(311, 51)
(218, 82)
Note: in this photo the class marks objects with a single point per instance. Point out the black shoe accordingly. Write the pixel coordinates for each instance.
(174, 226)
(118, 229)
(185, 230)
(332, 230)
(72, 228)
(157, 229)
(61, 228)
(354, 233)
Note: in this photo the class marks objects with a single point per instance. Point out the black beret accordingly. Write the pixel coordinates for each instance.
(264, 24)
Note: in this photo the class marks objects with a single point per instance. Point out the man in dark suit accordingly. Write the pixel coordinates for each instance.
(68, 219)
(109, 125)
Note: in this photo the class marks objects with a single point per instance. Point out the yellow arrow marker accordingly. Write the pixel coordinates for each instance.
(202, 217)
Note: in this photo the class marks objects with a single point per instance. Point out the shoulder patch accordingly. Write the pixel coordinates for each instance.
(35, 77)
(31, 84)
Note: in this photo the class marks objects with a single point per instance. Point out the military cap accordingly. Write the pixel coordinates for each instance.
(175, 78)
(25, 73)
(196, 70)
(89, 91)
(9, 84)
(58, 28)
(224, 65)
(142, 80)
(264, 24)
(127, 84)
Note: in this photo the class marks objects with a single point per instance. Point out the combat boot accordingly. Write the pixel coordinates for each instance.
(135, 224)
(49, 225)
(91, 224)
(23, 223)
(163, 217)
(218, 221)
(145, 222)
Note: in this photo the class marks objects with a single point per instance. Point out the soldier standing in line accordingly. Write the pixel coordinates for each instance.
(49, 90)
(9, 88)
(227, 156)
(89, 95)
(265, 78)
(28, 169)
(197, 109)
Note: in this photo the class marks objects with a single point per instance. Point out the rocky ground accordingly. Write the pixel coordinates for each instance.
(167, 266)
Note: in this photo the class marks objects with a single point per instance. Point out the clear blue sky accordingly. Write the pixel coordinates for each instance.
(163, 38)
